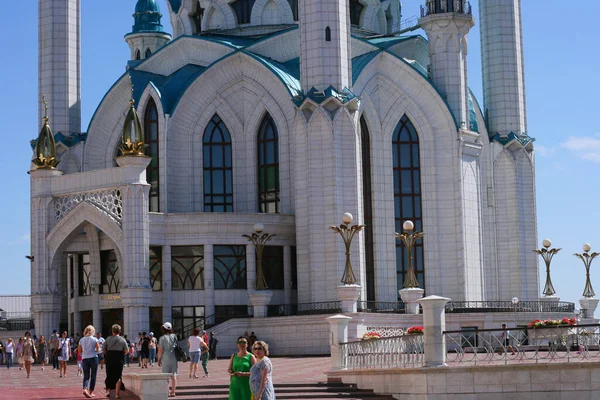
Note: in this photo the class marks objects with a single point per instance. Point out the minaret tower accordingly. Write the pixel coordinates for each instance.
(59, 63)
(503, 67)
(147, 34)
(447, 23)
(325, 54)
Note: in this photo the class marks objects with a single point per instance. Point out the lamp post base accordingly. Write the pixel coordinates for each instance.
(260, 299)
(410, 296)
(588, 307)
(348, 295)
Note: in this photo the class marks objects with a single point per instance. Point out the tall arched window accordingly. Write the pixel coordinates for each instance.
(138, 55)
(407, 196)
(151, 139)
(367, 208)
(218, 169)
(243, 10)
(148, 53)
(268, 166)
(356, 8)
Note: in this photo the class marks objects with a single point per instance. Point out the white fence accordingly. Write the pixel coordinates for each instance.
(394, 352)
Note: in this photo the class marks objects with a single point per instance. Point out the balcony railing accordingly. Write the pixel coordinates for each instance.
(460, 307)
(381, 307)
(446, 6)
(561, 343)
(324, 307)
(394, 352)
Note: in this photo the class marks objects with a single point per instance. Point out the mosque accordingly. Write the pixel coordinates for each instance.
(280, 115)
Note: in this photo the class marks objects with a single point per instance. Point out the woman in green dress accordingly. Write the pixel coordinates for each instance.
(239, 370)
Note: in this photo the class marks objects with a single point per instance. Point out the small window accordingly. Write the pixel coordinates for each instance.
(328, 34)
(148, 53)
(138, 55)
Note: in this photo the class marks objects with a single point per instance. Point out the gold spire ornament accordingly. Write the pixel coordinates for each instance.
(45, 149)
(132, 140)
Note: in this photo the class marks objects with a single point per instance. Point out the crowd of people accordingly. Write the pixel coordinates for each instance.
(249, 371)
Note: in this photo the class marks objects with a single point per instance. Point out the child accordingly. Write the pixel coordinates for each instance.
(79, 361)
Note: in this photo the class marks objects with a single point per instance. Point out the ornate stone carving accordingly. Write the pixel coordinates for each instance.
(110, 202)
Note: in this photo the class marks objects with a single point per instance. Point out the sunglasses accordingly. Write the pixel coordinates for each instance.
(241, 342)
(258, 348)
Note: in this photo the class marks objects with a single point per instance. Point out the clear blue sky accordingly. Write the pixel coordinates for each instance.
(562, 104)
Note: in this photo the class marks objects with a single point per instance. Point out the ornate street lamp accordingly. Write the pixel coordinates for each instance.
(409, 238)
(547, 253)
(259, 240)
(347, 232)
(587, 259)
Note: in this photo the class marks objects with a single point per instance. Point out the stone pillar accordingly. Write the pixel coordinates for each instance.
(348, 295)
(209, 282)
(46, 313)
(434, 324)
(75, 301)
(167, 284)
(95, 275)
(410, 297)
(136, 292)
(588, 307)
(69, 302)
(287, 274)
(338, 325)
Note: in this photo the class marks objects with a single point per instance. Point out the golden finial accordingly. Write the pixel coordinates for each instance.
(45, 149)
(132, 139)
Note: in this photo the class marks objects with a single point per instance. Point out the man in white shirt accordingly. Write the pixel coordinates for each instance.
(100, 346)
(53, 346)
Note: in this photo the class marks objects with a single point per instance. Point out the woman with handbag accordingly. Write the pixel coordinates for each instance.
(64, 353)
(167, 359)
(28, 351)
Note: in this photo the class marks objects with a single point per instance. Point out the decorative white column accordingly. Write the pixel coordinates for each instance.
(338, 325)
(434, 324)
(75, 301)
(136, 292)
(287, 274)
(411, 297)
(209, 281)
(167, 284)
(348, 295)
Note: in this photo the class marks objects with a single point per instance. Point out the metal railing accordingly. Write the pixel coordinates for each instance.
(458, 307)
(561, 343)
(446, 6)
(323, 307)
(382, 307)
(394, 352)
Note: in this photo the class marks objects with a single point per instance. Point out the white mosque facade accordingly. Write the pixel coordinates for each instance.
(288, 114)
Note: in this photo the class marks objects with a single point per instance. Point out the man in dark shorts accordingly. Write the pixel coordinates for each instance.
(145, 350)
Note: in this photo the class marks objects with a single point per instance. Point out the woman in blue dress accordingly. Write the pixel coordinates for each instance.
(261, 382)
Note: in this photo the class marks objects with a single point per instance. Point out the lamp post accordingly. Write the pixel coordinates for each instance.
(587, 259)
(547, 253)
(347, 233)
(409, 238)
(259, 240)
(515, 302)
(410, 292)
(588, 302)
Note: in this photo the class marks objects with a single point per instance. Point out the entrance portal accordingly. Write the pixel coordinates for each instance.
(109, 318)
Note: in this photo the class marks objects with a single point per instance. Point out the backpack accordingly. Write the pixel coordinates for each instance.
(178, 351)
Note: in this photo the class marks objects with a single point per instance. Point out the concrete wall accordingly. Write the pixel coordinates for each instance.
(515, 382)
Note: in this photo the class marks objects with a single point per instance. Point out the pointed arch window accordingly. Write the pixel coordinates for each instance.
(151, 139)
(356, 8)
(243, 10)
(268, 166)
(218, 169)
(367, 208)
(148, 53)
(407, 196)
(138, 55)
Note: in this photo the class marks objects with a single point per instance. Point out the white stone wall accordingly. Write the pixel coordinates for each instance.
(59, 63)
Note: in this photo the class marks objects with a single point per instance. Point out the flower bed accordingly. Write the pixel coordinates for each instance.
(415, 330)
(370, 336)
(538, 323)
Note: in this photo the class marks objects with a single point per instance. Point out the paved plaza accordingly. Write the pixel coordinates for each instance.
(46, 385)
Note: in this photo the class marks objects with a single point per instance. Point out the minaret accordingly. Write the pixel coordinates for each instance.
(147, 34)
(447, 23)
(325, 55)
(59, 63)
(503, 67)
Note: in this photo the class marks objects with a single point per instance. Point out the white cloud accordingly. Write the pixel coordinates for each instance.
(544, 151)
(584, 147)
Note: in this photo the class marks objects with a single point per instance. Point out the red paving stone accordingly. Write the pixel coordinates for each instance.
(46, 385)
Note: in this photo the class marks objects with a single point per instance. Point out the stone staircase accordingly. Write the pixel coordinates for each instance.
(319, 390)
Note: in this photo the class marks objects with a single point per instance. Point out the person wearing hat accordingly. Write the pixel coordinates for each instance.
(152, 346)
(166, 355)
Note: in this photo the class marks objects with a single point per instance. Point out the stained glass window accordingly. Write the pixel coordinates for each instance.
(218, 168)
(187, 267)
(230, 267)
(268, 166)
(110, 273)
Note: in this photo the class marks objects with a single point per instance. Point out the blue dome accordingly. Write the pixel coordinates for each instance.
(146, 5)
(147, 17)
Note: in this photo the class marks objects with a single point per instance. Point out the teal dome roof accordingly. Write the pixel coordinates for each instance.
(147, 17)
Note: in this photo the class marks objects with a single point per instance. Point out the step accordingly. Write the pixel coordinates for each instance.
(315, 396)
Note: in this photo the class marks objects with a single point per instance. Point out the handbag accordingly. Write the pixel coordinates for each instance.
(179, 353)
